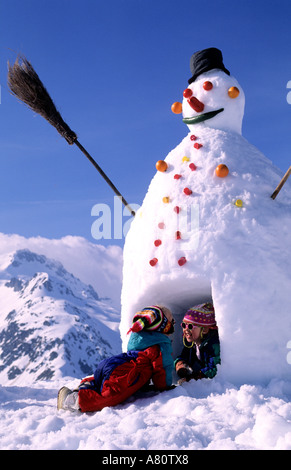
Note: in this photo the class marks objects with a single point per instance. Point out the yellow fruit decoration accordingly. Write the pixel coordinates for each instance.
(176, 107)
(221, 171)
(161, 165)
(233, 92)
(166, 199)
(239, 203)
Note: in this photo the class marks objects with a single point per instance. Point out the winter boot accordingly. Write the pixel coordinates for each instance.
(67, 399)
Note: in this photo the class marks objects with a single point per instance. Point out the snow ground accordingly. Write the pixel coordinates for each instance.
(195, 416)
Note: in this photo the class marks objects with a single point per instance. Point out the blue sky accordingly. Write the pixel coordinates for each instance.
(113, 70)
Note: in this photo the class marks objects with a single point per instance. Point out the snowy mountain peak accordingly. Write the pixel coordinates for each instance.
(25, 262)
(51, 323)
(36, 273)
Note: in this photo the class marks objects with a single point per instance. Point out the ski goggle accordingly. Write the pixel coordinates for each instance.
(190, 326)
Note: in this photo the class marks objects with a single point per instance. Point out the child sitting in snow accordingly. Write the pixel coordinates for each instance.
(201, 352)
(148, 356)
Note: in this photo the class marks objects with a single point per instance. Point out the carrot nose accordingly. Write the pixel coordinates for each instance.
(195, 104)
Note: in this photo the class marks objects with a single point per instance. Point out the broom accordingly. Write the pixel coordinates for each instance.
(26, 85)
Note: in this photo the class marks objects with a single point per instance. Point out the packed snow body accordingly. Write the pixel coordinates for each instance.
(200, 237)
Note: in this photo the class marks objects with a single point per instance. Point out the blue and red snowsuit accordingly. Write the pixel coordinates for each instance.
(148, 356)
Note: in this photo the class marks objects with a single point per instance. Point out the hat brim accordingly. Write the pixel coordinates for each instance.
(207, 69)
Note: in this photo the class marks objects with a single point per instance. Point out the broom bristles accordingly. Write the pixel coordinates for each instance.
(26, 85)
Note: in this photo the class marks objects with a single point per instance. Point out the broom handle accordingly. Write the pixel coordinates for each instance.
(98, 168)
(282, 182)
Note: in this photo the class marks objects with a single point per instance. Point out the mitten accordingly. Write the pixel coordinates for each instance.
(183, 370)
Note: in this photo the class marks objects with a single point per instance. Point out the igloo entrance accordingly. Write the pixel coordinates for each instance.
(178, 298)
(191, 293)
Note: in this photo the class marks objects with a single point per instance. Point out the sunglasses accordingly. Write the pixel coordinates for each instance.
(190, 326)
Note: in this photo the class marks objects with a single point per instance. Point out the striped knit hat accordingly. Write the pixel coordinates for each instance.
(151, 319)
(201, 315)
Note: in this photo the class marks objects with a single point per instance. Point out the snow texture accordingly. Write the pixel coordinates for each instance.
(195, 416)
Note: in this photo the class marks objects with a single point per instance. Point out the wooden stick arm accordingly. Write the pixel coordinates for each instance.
(281, 184)
(98, 168)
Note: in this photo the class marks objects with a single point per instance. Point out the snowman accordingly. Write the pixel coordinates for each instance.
(208, 230)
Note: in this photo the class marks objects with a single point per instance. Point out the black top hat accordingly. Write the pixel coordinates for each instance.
(205, 60)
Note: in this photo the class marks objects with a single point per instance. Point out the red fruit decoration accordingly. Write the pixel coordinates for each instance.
(192, 166)
(193, 137)
(197, 146)
(182, 261)
(177, 177)
(177, 209)
(178, 235)
(187, 191)
(157, 242)
(153, 261)
(195, 104)
(161, 225)
(187, 93)
(207, 86)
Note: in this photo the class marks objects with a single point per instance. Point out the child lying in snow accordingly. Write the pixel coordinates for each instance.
(201, 352)
(148, 356)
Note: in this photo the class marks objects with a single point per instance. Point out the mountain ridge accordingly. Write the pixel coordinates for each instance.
(51, 323)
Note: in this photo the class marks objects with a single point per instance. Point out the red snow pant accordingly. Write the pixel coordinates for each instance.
(125, 380)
